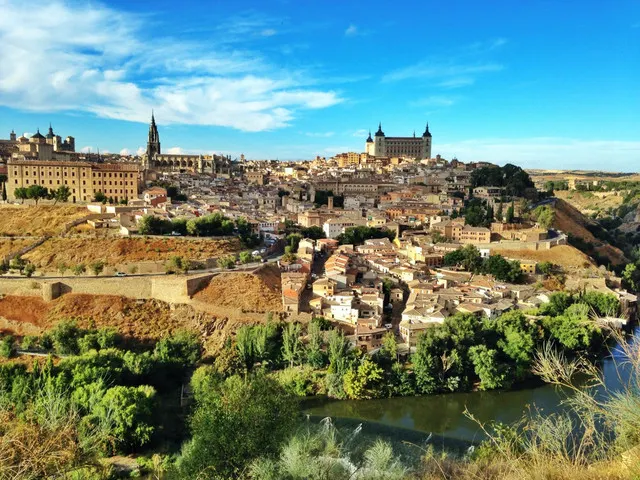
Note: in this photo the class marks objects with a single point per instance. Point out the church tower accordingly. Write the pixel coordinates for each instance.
(426, 143)
(153, 144)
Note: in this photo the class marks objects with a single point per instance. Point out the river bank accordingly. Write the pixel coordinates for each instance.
(443, 414)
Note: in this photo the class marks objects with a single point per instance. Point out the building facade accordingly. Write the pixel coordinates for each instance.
(84, 179)
(154, 159)
(414, 147)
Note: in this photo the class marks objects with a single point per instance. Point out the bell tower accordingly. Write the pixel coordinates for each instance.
(153, 143)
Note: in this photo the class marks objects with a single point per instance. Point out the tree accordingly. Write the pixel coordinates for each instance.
(234, 424)
(7, 346)
(182, 347)
(390, 346)
(177, 264)
(510, 214)
(227, 262)
(61, 194)
(245, 257)
(97, 267)
(546, 268)
(545, 216)
(631, 277)
(574, 330)
(486, 366)
(365, 381)
(37, 192)
(130, 412)
(62, 268)
(29, 269)
(315, 355)
(4, 191)
(245, 347)
(79, 269)
(291, 343)
(21, 194)
(293, 239)
(100, 197)
(337, 349)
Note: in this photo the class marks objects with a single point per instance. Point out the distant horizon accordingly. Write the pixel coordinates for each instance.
(538, 85)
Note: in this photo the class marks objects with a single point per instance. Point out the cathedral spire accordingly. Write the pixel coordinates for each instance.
(426, 131)
(380, 133)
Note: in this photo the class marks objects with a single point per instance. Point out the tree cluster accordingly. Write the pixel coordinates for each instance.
(513, 178)
(469, 258)
(357, 235)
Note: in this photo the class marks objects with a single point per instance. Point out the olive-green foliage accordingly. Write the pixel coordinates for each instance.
(130, 411)
(364, 381)
(182, 347)
(7, 346)
(234, 424)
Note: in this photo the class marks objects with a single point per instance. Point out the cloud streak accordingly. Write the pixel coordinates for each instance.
(546, 152)
(97, 59)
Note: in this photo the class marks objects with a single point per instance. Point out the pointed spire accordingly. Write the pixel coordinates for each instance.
(380, 133)
(426, 131)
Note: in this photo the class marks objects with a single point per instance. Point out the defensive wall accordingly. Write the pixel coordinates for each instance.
(167, 288)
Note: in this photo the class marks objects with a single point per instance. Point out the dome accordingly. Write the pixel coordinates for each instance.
(37, 135)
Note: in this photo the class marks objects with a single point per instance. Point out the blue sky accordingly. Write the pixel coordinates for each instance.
(545, 84)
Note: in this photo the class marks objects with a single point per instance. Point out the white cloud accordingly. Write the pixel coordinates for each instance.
(141, 151)
(269, 32)
(320, 134)
(456, 82)
(87, 149)
(125, 152)
(175, 151)
(547, 152)
(351, 30)
(432, 70)
(361, 132)
(87, 57)
(435, 101)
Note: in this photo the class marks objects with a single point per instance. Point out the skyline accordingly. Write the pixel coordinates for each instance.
(295, 81)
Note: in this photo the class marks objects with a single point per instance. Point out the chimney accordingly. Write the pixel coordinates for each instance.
(330, 202)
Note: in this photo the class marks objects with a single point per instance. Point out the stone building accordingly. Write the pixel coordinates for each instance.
(155, 160)
(84, 179)
(414, 147)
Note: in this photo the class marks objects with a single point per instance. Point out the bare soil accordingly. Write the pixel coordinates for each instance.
(40, 220)
(75, 250)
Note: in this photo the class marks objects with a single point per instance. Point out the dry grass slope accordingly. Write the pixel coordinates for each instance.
(260, 292)
(74, 250)
(40, 220)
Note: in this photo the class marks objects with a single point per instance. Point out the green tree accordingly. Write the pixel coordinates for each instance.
(235, 424)
(510, 214)
(291, 343)
(227, 262)
(182, 347)
(37, 192)
(100, 197)
(245, 257)
(364, 381)
(245, 347)
(61, 194)
(130, 412)
(79, 269)
(7, 346)
(631, 277)
(62, 268)
(315, 341)
(21, 194)
(574, 329)
(29, 269)
(97, 267)
(546, 268)
(491, 373)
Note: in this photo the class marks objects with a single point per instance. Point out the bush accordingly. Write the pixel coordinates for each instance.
(7, 346)
(183, 347)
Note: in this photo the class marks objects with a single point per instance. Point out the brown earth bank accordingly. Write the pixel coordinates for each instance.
(259, 292)
(564, 255)
(569, 220)
(587, 202)
(75, 250)
(12, 245)
(140, 319)
(37, 220)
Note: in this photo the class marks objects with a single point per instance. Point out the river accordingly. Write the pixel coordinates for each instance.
(443, 415)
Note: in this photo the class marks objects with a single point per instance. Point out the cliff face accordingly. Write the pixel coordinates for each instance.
(569, 220)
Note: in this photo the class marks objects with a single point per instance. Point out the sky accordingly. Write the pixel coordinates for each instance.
(543, 84)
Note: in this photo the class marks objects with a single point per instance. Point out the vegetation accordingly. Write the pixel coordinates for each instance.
(322, 198)
(357, 235)
(468, 257)
(513, 178)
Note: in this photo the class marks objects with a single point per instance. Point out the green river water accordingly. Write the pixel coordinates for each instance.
(442, 415)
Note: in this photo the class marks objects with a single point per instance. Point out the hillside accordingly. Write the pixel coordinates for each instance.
(40, 220)
(260, 292)
(75, 250)
(566, 256)
(569, 220)
(142, 319)
(588, 202)
(11, 245)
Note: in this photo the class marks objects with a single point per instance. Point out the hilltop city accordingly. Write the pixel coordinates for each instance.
(153, 288)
